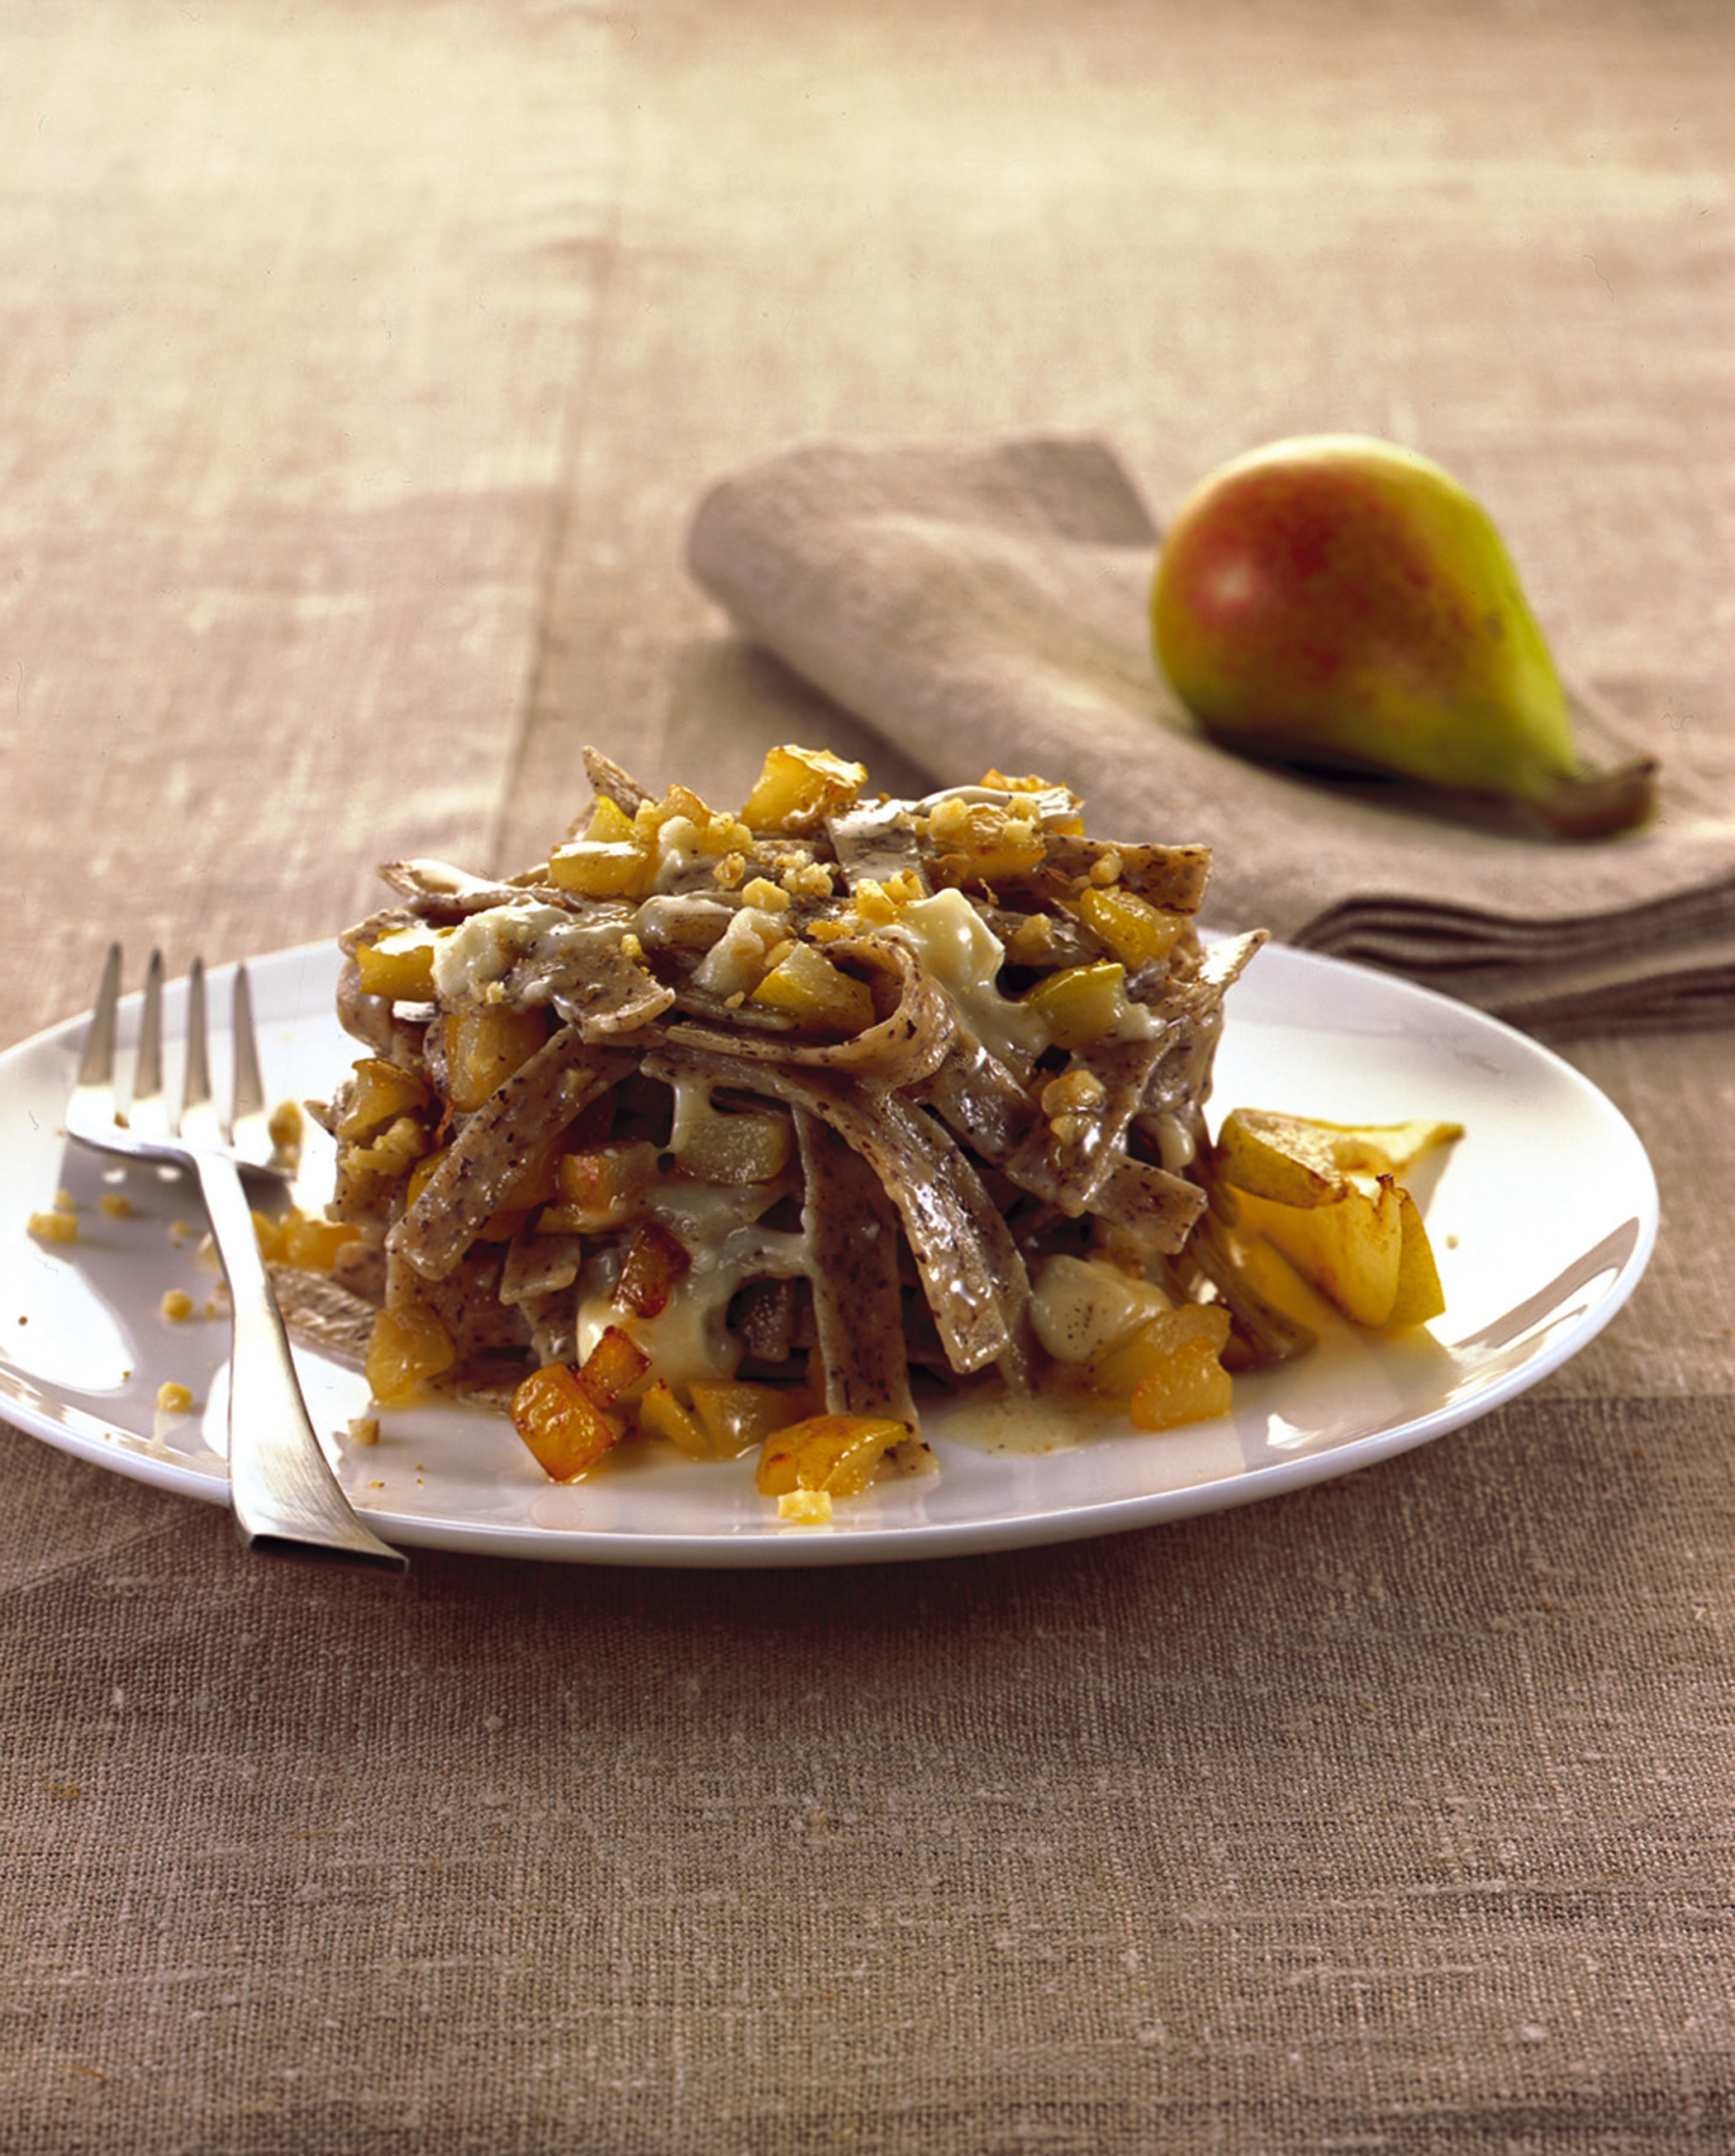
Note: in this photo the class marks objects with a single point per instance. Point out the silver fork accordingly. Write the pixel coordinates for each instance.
(284, 1497)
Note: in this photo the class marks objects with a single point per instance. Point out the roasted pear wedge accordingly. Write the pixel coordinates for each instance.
(1326, 1196)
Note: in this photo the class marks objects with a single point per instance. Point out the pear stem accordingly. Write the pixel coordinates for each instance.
(1599, 804)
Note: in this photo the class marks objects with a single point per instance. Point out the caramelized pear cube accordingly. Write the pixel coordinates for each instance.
(838, 1454)
(562, 1424)
(654, 1265)
(484, 1047)
(409, 1345)
(797, 788)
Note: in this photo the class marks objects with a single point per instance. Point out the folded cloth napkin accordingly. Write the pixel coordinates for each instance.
(986, 607)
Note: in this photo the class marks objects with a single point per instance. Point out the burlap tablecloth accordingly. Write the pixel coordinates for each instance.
(362, 367)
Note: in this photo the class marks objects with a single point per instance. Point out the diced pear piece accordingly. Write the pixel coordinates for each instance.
(380, 1091)
(601, 1187)
(407, 1347)
(616, 1369)
(1189, 1385)
(838, 1454)
(1138, 932)
(315, 1244)
(664, 1415)
(400, 965)
(564, 1428)
(983, 842)
(1081, 1004)
(804, 983)
(799, 787)
(485, 1045)
(654, 1267)
(1126, 1370)
(748, 1147)
(735, 1415)
(604, 868)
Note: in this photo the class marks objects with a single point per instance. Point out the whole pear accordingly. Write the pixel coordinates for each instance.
(1338, 601)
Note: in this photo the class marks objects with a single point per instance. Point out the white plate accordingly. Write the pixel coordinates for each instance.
(1543, 1219)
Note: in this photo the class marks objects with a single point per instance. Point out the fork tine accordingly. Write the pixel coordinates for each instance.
(196, 1083)
(250, 1091)
(96, 1067)
(148, 1069)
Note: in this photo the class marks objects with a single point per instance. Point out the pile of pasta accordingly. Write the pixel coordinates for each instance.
(749, 1129)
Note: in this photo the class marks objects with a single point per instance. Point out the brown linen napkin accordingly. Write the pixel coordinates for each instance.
(987, 607)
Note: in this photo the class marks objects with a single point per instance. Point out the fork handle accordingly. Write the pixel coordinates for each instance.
(285, 1500)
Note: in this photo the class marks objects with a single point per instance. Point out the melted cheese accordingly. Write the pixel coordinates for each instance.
(718, 1225)
(961, 954)
(471, 960)
(736, 963)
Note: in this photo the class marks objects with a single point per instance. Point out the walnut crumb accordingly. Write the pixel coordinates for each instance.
(1033, 940)
(1074, 1093)
(811, 879)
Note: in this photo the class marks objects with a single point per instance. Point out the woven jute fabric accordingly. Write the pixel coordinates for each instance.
(1394, 1809)
(987, 608)
(363, 368)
